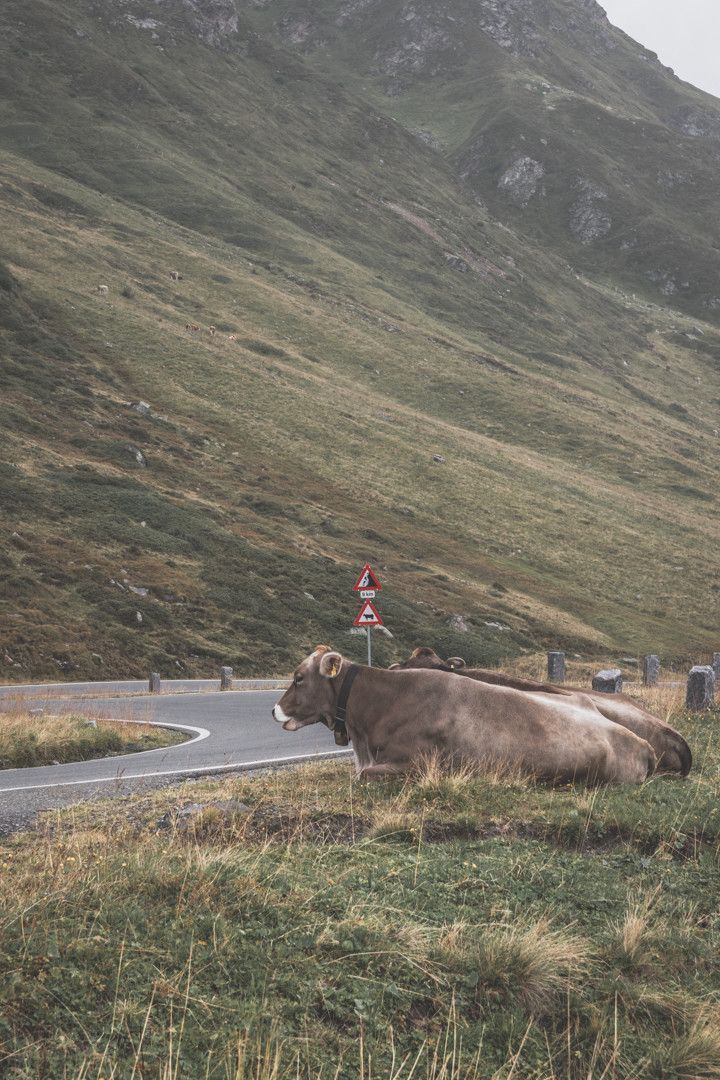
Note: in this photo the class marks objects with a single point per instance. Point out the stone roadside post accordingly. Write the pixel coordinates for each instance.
(700, 688)
(154, 682)
(226, 678)
(651, 670)
(609, 681)
(556, 666)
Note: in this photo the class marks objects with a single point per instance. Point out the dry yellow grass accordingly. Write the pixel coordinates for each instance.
(27, 739)
(527, 961)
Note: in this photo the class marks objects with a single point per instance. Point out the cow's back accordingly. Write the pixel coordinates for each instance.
(464, 719)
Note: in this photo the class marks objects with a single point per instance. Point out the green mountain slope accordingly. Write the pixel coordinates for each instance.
(563, 124)
(175, 497)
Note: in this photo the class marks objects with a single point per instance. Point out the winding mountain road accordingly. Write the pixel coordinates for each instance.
(229, 731)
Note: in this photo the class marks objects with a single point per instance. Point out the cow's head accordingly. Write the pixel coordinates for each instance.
(428, 658)
(311, 697)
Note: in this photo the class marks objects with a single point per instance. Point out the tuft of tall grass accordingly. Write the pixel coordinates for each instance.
(696, 1054)
(526, 962)
(635, 927)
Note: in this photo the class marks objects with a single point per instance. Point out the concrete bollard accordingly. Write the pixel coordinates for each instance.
(154, 682)
(226, 678)
(700, 688)
(608, 682)
(651, 670)
(556, 666)
(716, 666)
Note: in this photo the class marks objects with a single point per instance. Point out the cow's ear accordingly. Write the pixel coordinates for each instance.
(330, 664)
(456, 662)
(424, 651)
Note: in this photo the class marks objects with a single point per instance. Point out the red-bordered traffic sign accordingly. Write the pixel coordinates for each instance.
(368, 616)
(367, 580)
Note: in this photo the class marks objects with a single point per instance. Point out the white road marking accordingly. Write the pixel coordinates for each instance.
(208, 769)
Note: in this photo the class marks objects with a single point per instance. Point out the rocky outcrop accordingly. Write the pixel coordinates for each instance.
(422, 46)
(697, 122)
(354, 7)
(521, 182)
(589, 219)
(456, 263)
(213, 20)
(665, 281)
(669, 179)
(510, 24)
(427, 138)
(296, 29)
(521, 26)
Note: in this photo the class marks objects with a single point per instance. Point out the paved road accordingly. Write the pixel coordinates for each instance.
(230, 731)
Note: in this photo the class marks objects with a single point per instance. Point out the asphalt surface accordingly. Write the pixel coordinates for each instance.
(230, 731)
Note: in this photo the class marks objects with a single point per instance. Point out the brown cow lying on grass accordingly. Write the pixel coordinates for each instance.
(397, 719)
(672, 752)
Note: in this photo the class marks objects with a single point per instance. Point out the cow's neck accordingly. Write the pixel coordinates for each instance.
(359, 718)
(339, 725)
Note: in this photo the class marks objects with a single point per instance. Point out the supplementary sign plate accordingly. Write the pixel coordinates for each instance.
(368, 615)
(367, 594)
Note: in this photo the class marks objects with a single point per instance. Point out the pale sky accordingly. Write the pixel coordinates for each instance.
(684, 33)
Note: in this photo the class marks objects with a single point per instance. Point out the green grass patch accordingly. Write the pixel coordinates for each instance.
(298, 922)
(27, 740)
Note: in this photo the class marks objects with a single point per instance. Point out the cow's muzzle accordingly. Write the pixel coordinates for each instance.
(288, 723)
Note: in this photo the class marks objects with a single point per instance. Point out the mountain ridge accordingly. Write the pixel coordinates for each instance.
(361, 312)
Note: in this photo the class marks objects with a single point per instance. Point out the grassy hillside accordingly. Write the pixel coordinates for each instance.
(369, 315)
(297, 923)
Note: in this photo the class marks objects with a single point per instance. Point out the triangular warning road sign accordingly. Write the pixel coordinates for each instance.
(367, 580)
(368, 616)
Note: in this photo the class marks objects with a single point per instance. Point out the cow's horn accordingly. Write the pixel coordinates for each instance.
(423, 651)
(456, 662)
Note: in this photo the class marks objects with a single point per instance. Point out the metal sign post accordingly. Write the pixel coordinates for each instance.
(367, 585)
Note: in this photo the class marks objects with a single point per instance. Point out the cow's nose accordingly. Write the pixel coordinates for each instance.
(273, 714)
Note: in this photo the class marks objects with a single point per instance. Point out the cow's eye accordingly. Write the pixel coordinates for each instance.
(298, 679)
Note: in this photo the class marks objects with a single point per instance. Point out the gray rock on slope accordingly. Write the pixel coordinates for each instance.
(589, 219)
(213, 20)
(521, 182)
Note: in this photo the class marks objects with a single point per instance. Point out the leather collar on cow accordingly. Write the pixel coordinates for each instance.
(338, 728)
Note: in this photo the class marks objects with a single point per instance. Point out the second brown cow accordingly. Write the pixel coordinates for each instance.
(671, 749)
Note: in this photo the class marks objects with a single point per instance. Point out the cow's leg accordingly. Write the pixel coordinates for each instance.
(379, 772)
